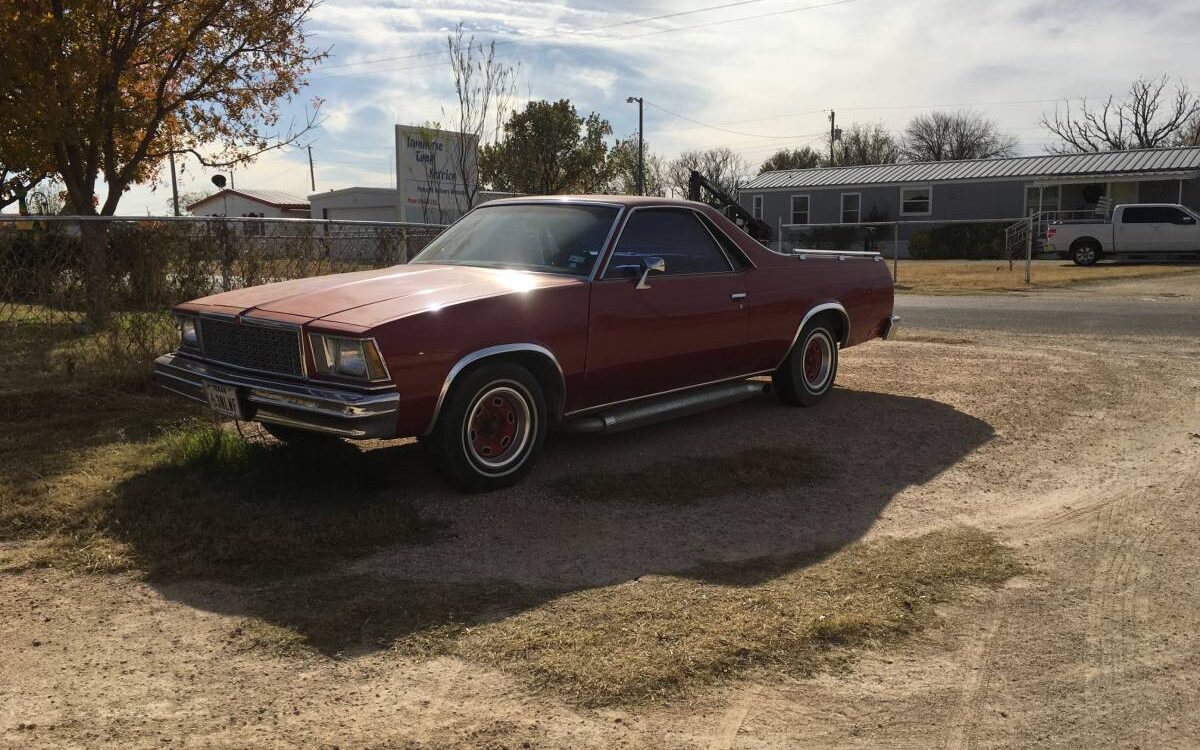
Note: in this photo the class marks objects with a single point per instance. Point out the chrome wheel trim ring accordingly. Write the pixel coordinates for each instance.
(519, 400)
(820, 344)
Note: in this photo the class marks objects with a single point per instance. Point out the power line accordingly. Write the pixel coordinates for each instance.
(602, 27)
(744, 18)
(530, 37)
(723, 130)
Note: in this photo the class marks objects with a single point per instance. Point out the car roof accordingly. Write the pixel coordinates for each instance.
(619, 200)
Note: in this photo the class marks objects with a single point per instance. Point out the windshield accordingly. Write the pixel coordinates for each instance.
(551, 237)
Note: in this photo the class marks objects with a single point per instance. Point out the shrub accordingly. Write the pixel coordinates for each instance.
(958, 241)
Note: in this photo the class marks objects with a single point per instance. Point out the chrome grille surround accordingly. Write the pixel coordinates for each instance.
(260, 346)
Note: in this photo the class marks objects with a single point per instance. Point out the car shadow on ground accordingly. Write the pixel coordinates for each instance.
(357, 568)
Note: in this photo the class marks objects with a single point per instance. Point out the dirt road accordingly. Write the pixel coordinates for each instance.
(1081, 452)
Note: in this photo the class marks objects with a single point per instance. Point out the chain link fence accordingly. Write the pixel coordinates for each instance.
(916, 240)
(84, 295)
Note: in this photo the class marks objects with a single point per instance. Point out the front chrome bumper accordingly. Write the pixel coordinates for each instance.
(888, 325)
(337, 411)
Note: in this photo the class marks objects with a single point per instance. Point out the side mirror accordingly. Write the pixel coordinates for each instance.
(1185, 219)
(650, 264)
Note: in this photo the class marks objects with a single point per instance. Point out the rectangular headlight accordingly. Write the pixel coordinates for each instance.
(344, 357)
(189, 335)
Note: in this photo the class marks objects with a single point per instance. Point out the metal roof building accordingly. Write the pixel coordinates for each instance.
(920, 195)
(1170, 163)
(251, 202)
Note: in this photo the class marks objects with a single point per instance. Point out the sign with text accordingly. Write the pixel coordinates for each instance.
(433, 171)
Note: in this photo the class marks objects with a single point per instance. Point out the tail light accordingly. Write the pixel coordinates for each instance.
(1051, 232)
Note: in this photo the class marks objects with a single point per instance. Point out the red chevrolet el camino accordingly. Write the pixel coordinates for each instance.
(592, 313)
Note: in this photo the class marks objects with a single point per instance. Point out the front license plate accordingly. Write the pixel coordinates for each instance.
(223, 399)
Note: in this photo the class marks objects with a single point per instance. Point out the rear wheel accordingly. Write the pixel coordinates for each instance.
(491, 428)
(806, 377)
(1085, 252)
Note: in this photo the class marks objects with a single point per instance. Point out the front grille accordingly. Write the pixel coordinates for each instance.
(257, 347)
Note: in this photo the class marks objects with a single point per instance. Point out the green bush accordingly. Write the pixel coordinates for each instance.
(958, 241)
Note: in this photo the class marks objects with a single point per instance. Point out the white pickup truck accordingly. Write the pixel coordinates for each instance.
(1134, 229)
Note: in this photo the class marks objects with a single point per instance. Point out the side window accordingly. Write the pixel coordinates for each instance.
(675, 235)
(732, 251)
(799, 209)
(850, 207)
(1174, 216)
(756, 206)
(1137, 215)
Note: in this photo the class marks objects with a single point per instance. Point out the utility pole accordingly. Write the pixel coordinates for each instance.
(641, 165)
(834, 134)
(174, 184)
(312, 178)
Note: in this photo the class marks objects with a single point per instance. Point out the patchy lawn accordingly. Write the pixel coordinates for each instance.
(658, 637)
(973, 276)
(100, 476)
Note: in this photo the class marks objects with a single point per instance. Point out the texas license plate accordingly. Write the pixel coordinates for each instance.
(223, 399)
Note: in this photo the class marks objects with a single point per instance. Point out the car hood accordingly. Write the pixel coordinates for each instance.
(368, 298)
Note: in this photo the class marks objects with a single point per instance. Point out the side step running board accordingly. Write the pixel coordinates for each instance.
(665, 407)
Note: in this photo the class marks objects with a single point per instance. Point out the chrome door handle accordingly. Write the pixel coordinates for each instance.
(738, 296)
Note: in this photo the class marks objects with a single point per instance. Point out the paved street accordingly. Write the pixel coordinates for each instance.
(1052, 312)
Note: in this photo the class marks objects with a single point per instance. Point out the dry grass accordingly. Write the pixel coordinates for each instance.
(973, 276)
(661, 636)
(930, 338)
(686, 480)
(657, 637)
(101, 473)
(195, 500)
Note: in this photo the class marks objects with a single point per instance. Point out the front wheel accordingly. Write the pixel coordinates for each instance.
(491, 428)
(806, 377)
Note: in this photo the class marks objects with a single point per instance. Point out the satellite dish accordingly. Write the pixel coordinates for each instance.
(218, 180)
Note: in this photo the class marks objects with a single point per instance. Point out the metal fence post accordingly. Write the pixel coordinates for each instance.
(1029, 250)
(895, 250)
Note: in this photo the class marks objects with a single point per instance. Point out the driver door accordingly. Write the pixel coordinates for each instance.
(685, 326)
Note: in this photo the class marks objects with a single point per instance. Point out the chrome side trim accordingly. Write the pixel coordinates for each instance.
(887, 328)
(598, 407)
(809, 316)
(610, 242)
(803, 253)
(491, 351)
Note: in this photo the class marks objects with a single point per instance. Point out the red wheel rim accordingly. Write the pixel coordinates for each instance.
(813, 359)
(498, 428)
(818, 361)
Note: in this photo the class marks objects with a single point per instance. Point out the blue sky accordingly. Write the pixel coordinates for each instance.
(772, 78)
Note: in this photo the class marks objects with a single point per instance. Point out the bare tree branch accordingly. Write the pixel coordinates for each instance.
(1146, 117)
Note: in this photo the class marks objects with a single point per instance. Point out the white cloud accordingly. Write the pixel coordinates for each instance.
(776, 76)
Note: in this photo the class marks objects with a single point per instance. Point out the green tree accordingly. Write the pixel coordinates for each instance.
(805, 157)
(548, 148)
